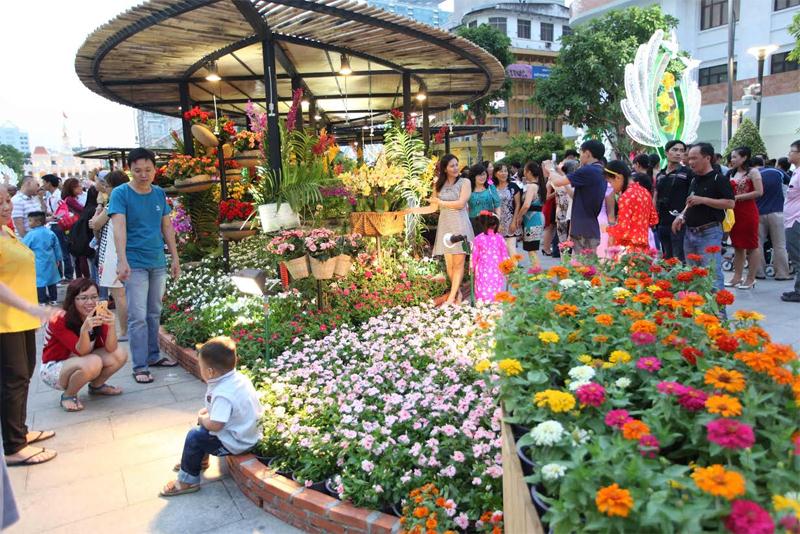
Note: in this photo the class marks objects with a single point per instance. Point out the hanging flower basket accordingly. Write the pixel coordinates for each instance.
(195, 184)
(298, 267)
(233, 175)
(171, 191)
(248, 158)
(323, 269)
(237, 230)
(377, 224)
(344, 262)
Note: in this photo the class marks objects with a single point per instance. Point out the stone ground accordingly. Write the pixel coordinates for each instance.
(116, 454)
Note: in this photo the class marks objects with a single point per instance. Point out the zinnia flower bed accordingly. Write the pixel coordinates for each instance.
(644, 412)
(390, 406)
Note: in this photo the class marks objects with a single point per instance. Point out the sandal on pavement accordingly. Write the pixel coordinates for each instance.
(106, 389)
(143, 377)
(49, 454)
(74, 399)
(175, 487)
(164, 362)
(39, 435)
(203, 466)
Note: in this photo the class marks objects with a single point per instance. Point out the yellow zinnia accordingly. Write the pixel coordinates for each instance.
(781, 503)
(619, 356)
(548, 337)
(510, 366)
(557, 401)
(482, 366)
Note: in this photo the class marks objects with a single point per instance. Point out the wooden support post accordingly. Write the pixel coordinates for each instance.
(406, 96)
(426, 127)
(271, 86)
(188, 140)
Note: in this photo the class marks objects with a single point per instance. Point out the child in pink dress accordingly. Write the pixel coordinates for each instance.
(488, 250)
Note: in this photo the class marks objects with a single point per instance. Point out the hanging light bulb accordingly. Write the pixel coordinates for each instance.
(421, 96)
(213, 72)
(317, 117)
(344, 66)
(304, 105)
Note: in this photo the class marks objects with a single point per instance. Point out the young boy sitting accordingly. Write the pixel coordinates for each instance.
(44, 244)
(229, 422)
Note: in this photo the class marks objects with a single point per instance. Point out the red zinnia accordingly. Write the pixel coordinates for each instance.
(727, 343)
(694, 257)
(748, 517)
(713, 249)
(725, 297)
(591, 394)
(730, 434)
(690, 354)
(649, 446)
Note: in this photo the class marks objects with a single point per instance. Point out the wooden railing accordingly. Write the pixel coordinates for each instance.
(519, 514)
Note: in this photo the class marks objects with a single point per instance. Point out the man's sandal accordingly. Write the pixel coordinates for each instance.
(164, 362)
(143, 377)
(106, 389)
(39, 435)
(74, 399)
(203, 466)
(175, 487)
(31, 460)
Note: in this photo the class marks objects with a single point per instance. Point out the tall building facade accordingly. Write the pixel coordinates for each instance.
(10, 134)
(703, 33)
(535, 30)
(60, 163)
(153, 130)
(425, 11)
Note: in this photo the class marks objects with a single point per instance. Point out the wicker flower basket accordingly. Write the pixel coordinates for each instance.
(322, 269)
(248, 158)
(298, 267)
(233, 175)
(195, 184)
(205, 136)
(343, 265)
(377, 224)
(237, 230)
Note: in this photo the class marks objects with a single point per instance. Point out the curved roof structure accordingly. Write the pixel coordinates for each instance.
(142, 57)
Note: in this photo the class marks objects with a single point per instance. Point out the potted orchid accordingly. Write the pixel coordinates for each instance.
(322, 249)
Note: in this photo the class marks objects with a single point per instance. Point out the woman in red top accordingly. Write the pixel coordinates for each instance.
(635, 210)
(80, 348)
(747, 186)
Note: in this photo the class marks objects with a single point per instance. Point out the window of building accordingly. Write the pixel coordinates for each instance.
(714, 13)
(498, 23)
(715, 74)
(523, 29)
(547, 31)
(780, 63)
(566, 30)
(473, 24)
(786, 4)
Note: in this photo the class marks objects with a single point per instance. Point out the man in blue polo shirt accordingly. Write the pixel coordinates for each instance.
(589, 183)
(770, 219)
(140, 215)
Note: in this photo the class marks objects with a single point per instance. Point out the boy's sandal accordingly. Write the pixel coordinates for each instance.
(39, 435)
(164, 362)
(49, 454)
(106, 389)
(172, 489)
(203, 466)
(74, 399)
(142, 377)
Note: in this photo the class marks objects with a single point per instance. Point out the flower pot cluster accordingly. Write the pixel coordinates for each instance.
(190, 174)
(638, 408)
(320, 252)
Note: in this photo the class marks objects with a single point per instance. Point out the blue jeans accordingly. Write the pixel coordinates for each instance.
(144, 291)
(67, 270)
(672, 244)
(697, 242)
(199, 444)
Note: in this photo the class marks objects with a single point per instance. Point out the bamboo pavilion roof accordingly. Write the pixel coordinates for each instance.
(141, 57)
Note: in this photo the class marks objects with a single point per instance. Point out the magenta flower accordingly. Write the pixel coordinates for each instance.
(651, 364)
(535, 270)
(670, 388)
(649, 446)
(643, 338)
(693, 399)
(617, 418)
(730, 434)
(748, 517)
(591, 394)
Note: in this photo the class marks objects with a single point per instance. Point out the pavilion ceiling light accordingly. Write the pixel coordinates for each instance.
(317, 117)
(344, 66)
(304, 105)
(213, 72)
(421, 96)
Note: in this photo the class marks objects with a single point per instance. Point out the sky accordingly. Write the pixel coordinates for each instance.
(39, 41)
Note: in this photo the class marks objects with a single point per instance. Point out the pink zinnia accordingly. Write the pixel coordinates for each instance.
(730, 434)
(617, 418)
(671, 388)
(649, 446)
(693, 399)
(748, 517)
(591, 394)
(535, 270)
(643, 338)
(651, 364)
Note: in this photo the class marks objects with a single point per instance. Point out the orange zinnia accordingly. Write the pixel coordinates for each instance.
(633, 314)
(718, 481)
(725, 405)
(600, 339)
(706, 320)
(431, 522)
(781, 375)
(613, 500)
(504, 296)
(552, 295)
(507, 266)
(643, 298)
(757, 361)
(566, 310)
(420, 512)
(781, 354)
(604, 319)
(558, 271)
(648, 327)
(635, 429)
(725, 379)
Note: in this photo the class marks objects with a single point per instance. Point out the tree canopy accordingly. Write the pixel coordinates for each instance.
(746, 135)
(526, 147)
(13, 158)
(794, 31)
(587, 82)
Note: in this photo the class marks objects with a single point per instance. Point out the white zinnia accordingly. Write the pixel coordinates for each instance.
(575, 384)
(623, 382)
(583, 373)
(547, 433)
(567, 283)
(553, 471)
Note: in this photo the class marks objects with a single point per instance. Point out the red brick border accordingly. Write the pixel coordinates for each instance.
(309, 510)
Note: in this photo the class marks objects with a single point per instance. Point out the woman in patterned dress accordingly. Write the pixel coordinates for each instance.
(747, 186)
(530, 213)
(635, 213)
(510, 201)
(488, 250)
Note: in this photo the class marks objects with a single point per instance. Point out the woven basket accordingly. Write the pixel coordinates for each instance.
(248, 158)
(343, 265)
(322, 270)
(195, 184)
(376, 224)
(298, 267)
(237, 230)
(205, 136)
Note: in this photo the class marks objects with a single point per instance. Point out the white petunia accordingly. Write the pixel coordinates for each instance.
(547, 433)
(553, 471)
(583, 373)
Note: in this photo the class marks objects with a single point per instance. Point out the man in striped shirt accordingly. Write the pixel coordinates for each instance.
(27, 200)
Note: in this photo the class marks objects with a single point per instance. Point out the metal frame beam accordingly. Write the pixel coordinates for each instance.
(188, 140)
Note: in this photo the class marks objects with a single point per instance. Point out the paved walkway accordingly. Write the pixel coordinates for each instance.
(114, 457)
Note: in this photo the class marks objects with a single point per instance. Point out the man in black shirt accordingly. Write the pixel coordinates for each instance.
(672, 188)
(710, 194)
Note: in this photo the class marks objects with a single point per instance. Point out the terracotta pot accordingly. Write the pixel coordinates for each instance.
(322, 269)
(195, 184)
(205, 136)
(376, 224)
(248, 158)
(297, 267)
(237, 230)
(343, 265)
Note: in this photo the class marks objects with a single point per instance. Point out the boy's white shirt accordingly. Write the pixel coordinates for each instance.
(232, 400)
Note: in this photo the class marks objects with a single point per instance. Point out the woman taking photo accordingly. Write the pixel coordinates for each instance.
(451, 197)
(483, 198)
(510, 201)
(530, 216)
(80, 347)
(635, 213)
(747, 186)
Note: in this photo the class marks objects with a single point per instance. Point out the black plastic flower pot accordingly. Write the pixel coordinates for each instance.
(528, 465)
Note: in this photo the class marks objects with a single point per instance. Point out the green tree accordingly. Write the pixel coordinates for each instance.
(587, 82)
(746, 135)
(13, 158)
(526, 147)
(499, 45)
(794, 31)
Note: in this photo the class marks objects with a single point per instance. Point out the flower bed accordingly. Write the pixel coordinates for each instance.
(644, 411)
